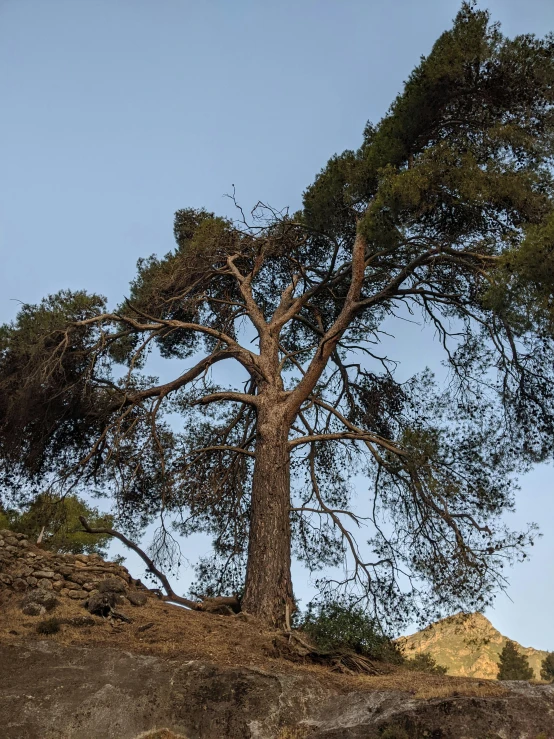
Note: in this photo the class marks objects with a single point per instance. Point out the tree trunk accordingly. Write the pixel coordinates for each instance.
(268, 587)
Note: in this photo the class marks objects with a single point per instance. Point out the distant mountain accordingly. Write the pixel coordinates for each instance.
(467, 644)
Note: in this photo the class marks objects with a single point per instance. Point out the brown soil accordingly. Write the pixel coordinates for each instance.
(163, 630)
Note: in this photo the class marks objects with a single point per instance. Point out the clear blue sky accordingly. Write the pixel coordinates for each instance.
(117, 112)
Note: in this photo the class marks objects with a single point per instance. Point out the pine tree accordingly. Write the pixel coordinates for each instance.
(444, 213)
(513, 665)
(547, 668)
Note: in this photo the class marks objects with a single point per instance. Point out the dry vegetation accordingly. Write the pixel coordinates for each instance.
(163, 630)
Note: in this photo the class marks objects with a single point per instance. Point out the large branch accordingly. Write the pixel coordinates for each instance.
(227, 395)
(245, 287)
(245, 356)
(355, 436)
(329, 341)
(169, 387)
(171, 595)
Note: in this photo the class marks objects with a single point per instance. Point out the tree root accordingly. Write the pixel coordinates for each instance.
(291, 646)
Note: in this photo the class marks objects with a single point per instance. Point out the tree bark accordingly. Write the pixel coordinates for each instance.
(268, 588)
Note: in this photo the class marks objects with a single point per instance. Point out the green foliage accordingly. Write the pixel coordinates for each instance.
(424, 662)
(547, 668)
(47, 405)
(62, 528)
(335, 626)
(48, 626)
(513, 665)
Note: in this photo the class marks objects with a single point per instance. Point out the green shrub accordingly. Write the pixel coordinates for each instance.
(335, 626)
(48, 626)
(424, 663)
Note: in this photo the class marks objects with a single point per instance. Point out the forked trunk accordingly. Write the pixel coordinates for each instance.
(268, 588)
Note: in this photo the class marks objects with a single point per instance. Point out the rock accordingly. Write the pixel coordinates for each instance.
(79, 621)
(145, 627)
(79, 579)
(58, 585)
(125, 694)
(137, 599)
(65, 570)
(33, 609)
(19, 585)
(78, 594)
(102, 603)
(32, 582)
(71, 585)
(45, 584)
(44, 598)
(49, 574)
(6, 579)
(112, 585)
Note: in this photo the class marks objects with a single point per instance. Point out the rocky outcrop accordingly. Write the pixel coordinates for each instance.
(467, 644)
(54, 691)
(25, 568)
(57, 682)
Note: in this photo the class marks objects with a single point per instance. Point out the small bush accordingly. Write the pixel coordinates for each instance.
(48, 626)
(424, 663)
(335, 626)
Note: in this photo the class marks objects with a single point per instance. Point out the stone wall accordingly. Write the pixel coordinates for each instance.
(25, 567)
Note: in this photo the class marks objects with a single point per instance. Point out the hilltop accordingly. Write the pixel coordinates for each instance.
(467, 644)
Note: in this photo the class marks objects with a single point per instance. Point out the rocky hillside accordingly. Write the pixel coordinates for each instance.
(86, 651)
(468, 645)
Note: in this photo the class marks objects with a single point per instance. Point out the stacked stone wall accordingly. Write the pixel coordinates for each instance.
(25, 567)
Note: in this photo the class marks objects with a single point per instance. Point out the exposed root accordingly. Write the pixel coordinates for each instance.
(291, 646)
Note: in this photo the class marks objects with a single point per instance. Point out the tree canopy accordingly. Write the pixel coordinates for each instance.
(444, 215)
(56, 522)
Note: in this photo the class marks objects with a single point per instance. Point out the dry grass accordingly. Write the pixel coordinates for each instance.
(176, 633)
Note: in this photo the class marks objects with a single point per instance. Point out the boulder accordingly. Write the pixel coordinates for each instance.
(45, 599)
(102, 603)
(112, 585)
(137, 599)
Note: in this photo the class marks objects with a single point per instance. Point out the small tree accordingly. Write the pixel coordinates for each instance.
(424, 662)
(513, 665)
(547, 667)
(57, 519)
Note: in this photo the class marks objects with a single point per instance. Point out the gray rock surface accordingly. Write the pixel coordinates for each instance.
(52, 691)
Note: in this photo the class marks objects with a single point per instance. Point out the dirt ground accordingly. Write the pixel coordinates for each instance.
(164, 630)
